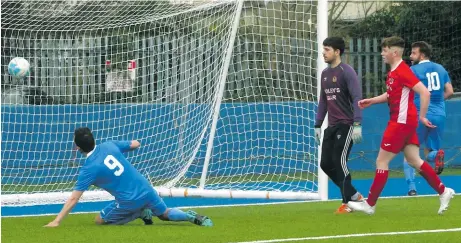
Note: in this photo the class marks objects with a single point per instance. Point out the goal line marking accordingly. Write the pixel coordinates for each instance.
(354, 235)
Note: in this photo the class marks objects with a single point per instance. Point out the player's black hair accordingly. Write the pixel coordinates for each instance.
(393, 41)
(337, 43)
(84, 139)
(424, 48)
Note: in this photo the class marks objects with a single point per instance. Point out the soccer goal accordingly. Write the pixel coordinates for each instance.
(221, 94)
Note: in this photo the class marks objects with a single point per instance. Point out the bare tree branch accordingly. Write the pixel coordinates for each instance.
(338, 14)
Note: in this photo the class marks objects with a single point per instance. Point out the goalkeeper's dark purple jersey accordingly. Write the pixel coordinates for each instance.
(339, 95)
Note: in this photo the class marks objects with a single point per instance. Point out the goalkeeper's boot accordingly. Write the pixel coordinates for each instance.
(445, 198)
(439, 162)
(146, 216)
(343, 209)
(199, 219)
(361, 206)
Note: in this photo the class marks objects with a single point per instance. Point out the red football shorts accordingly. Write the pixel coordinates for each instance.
(397, 136)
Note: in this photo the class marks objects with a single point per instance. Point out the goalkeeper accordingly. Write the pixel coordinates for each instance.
(106, 167)
(339, 96)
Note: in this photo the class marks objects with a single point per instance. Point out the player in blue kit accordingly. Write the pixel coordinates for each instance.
(106, 167)
(436, 79)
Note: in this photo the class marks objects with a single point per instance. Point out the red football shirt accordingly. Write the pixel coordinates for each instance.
(400, 96)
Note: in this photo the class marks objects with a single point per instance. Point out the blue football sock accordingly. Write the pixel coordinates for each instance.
(177, 215)
(409, 175)
(431, 156)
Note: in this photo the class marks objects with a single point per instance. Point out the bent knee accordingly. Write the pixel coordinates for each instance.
(98, 220)
(416, 162)
(164, 216)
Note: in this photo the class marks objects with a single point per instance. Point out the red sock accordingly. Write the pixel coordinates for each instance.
(431, 177)
(377, 187)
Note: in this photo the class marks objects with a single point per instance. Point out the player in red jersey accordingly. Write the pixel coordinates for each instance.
(400, 134)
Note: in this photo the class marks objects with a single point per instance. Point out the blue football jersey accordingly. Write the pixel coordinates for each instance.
(434, 77)
(106, 167)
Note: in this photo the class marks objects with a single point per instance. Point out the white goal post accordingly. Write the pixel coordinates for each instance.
(222, 95)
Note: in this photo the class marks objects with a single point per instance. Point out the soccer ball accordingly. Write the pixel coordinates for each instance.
(19, 67)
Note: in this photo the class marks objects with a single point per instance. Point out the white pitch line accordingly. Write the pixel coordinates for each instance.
(354, 235)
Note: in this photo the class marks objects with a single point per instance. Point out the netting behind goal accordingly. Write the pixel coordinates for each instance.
(155, 71)
(264, 136)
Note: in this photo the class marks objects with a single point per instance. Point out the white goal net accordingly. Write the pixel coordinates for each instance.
(220, 93)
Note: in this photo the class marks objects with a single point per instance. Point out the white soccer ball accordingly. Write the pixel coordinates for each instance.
(19, 67)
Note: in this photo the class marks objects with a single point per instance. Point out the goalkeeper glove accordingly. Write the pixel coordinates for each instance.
(318, 132)
(357, 133)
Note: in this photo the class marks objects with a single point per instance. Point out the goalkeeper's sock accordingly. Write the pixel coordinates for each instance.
(377, 187)
(356, 196)
(177, 215)
(431, 177)
(431, 156)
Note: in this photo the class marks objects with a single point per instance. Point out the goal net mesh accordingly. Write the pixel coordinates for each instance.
(151, 71)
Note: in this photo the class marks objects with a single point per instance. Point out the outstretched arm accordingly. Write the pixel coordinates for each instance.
(134, 144)
(85, 179)
(379, 99)
(66, 209)
(375, 100)
(126, 146)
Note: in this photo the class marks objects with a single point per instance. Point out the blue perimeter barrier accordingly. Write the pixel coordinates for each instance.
(252, 128)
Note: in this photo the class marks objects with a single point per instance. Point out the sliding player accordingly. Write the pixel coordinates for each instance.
(106, 167)
(400, 134)
(437, 81)
(340, 94)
